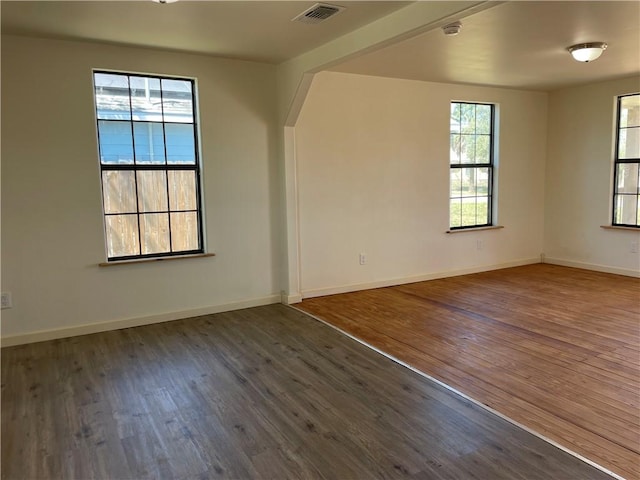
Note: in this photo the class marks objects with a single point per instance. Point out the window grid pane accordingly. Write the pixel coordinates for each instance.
(146, 99)
(149, 141)
(182, 190)
(150, 173)
(122, 235)
(629, 142)
(180, 143)
(154, 233)
(116, 144)
(112, 96)
(177, 101)
(626, 187)
(184, 228)
(152, 191)
(119, 191)
(626, 209)
(471, 165)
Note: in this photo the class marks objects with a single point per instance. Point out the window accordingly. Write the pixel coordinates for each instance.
(471, 165)
(626, 185)
(149, 165)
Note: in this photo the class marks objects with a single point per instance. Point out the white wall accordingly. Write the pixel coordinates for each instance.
(373, 176)
(579, 179)
(52, 232)
(294, 79)
(370, 175)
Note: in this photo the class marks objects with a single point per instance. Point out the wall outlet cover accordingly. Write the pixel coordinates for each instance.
(5, 300)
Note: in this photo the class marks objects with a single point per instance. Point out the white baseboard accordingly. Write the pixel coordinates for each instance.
(320, 292)
(43, 335)
(592, 266)
(290, 299)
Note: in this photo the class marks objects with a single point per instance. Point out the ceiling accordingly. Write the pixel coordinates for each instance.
(248, 30)
(515, 44)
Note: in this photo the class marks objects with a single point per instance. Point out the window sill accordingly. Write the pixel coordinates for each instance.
(475, 229)
(157, 259)
(617, 227)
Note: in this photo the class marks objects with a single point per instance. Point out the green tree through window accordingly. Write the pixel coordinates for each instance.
(471, 165)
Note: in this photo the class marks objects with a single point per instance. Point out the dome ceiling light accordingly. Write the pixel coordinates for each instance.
(587, 52)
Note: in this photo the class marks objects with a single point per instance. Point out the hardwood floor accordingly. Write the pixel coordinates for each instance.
(556, 349)
(264, 393)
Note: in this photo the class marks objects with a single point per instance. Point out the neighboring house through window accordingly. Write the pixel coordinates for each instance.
(149, 165)
(471, 162)
(626, 186)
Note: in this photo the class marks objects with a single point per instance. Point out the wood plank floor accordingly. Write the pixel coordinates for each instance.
(264, 393)
(556, 349)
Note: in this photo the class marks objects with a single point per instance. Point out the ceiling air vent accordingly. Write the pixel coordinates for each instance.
(318, 13)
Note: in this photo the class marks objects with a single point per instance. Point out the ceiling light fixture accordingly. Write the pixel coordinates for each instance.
(587, 52)
(164, 1)
(452, 29)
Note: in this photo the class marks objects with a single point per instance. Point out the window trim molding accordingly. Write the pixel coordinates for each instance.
(114, 263)
(475, 229)
(620, 227)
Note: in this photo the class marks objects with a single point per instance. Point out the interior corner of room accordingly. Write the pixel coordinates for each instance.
(308, 162)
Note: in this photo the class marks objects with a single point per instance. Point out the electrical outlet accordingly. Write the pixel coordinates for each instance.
(479, 244)
(363, 258)
(6, 300)
(634, 247)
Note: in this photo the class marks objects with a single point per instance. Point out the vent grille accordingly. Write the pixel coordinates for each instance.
(318, 13)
